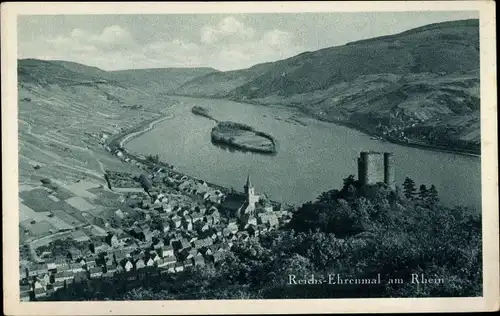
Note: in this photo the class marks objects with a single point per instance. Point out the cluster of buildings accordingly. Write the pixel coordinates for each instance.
(179, 224)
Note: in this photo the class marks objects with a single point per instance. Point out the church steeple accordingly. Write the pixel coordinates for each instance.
(249, 183)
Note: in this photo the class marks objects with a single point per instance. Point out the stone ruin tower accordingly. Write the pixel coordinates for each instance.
(376, 167)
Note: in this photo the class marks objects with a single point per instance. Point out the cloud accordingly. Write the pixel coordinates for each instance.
(227, 44)
(227, 28)
(239, 46)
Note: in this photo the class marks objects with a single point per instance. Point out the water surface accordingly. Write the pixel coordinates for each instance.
(311, 159)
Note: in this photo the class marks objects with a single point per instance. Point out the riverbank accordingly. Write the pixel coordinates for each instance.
(117, 143)
(410, 143)
(143, 129)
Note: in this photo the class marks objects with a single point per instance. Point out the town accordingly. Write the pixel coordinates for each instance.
(161, 220)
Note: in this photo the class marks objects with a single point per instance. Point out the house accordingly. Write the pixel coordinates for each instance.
(61, 264)
(74, 254)
(119, 255)
(100, 247)
(167, 208)
(139, 264)
(187, 225)
(157, 258)
(188, 264)
(171, 267)
(217, 256)
(137, 232)
(159, 245)
(45, 279)
(37, 284)
(251, 220)
(176, 221)
(81, 262)
(252, 230)
(273, 221)
(128, 265)
(119, 213)
(232, 223)
(51, 266)
(110, 268)
(167, 251)
(107, 274)
(46, 254)
(110, 260)
(37, 270)
(233, 229)
(148, 235)
(206, 251)
(95, 272)
(197, 217)
(205, 227)
(23, 273)
(59, 277)
(150, 262)
(40, 292)
(166, 227)
(214, 236)
(168, 260)
(226, 232)
(209, 219)
(179, 267)
(241, 235)
(145, 204)
(90, 263)
(198, 244)
(119, 268)
(80, 277)
(181, 244)
(57, 285)
(68, 275)
(80, 236)
(112, 239)
(25, 293)
(187, 253)
(161, 264)
(226, 246)
(188, 218)
(214, 212)
(198, 260)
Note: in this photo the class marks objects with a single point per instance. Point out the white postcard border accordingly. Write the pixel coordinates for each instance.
(489, 170)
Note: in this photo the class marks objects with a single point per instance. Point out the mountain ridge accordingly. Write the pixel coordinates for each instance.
(427, 77)
(417, 86)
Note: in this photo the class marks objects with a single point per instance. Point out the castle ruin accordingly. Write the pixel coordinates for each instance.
(376, 167)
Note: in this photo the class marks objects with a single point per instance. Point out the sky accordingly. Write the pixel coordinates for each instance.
(221, 41)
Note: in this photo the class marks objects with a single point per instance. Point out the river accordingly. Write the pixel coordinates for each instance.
(311, 159)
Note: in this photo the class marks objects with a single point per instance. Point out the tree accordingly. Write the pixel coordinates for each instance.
(409, 188)
(433, 195)
(350, 180)
(145, 183)
(422, 194)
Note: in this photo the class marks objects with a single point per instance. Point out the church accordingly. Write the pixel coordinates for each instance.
(248, 207)
(245, 206)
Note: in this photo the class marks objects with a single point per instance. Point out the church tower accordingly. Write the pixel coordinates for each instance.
(252, 198)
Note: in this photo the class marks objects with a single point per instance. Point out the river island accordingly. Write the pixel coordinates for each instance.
(244, 137)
